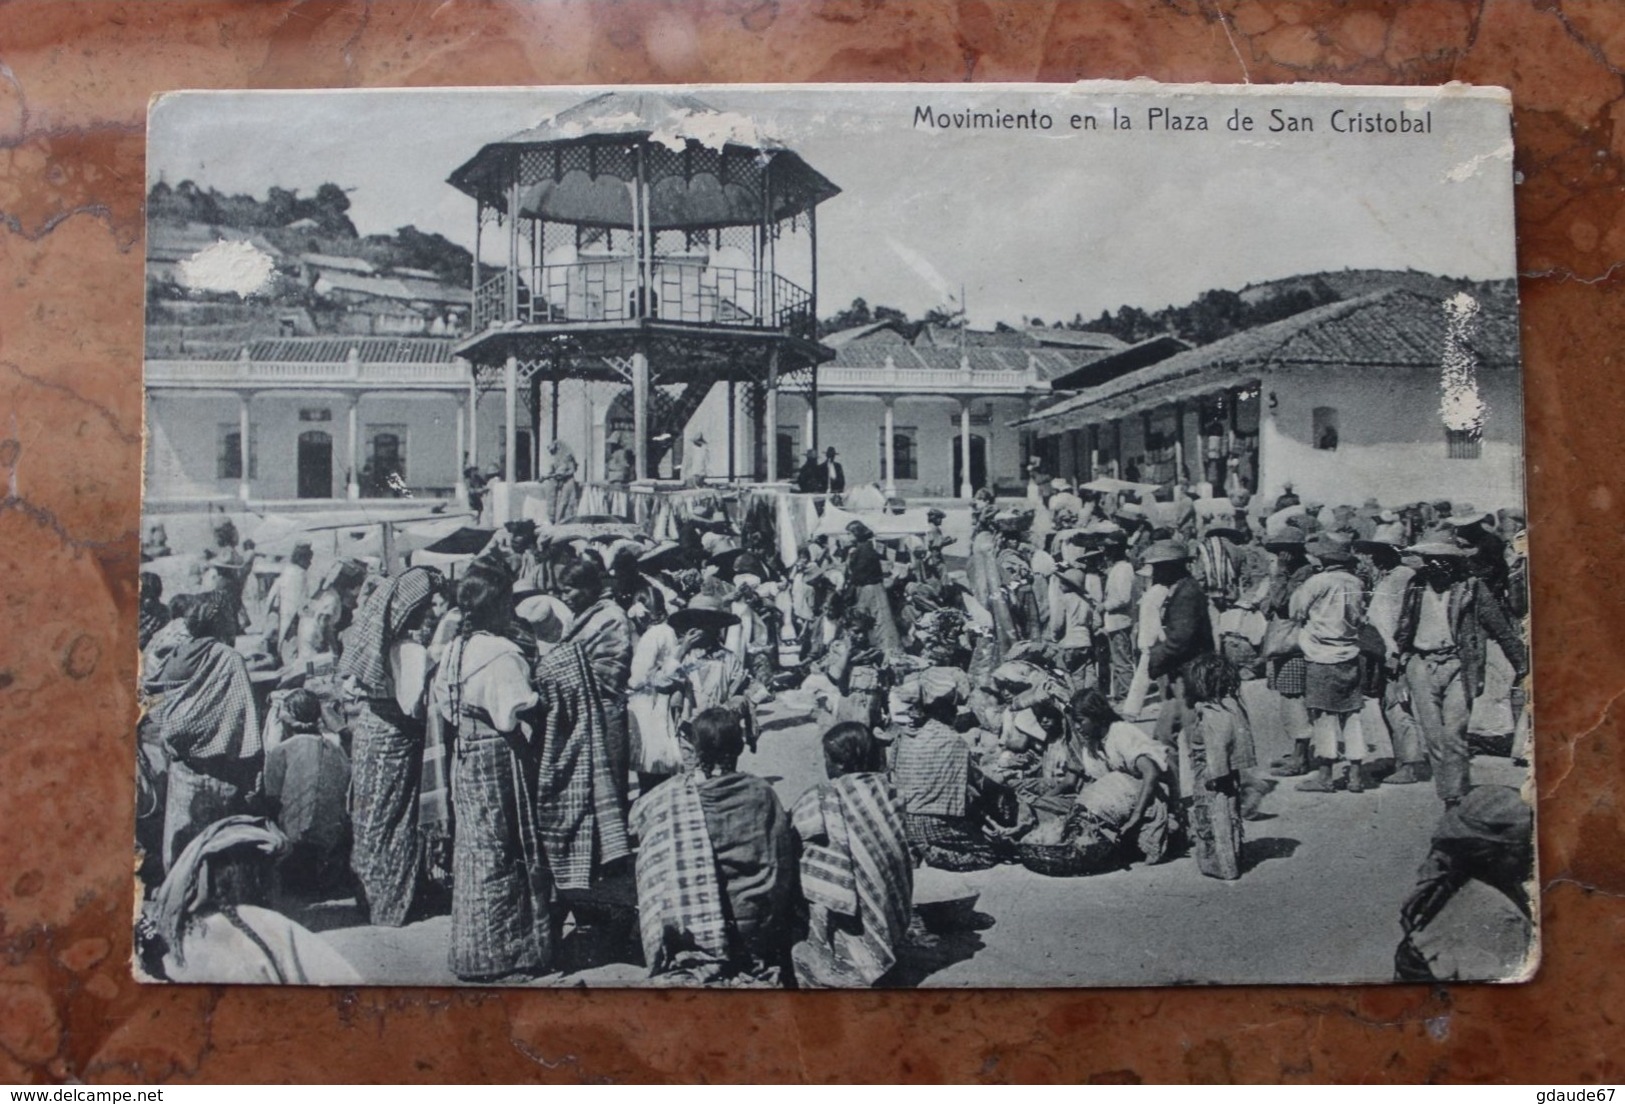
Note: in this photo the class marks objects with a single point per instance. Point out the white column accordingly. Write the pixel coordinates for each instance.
(473, 422)
(352, 489)
(244, 454)
(770, 416)
(459, 486)
(510, 409)
(640, 416)
(965, 489)
(812, 425)
(891, 446)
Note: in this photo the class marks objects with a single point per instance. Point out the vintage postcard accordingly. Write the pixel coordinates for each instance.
(957, 536)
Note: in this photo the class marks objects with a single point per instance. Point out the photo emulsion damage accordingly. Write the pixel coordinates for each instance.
(1011, 535)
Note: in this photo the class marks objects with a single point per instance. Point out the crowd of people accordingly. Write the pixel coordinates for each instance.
(551, 740)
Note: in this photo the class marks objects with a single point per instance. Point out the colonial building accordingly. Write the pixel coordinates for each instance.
(1396, 394)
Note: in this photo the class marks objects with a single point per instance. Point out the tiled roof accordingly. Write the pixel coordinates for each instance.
(1395, 328)
(372, 350)
(1050, 362)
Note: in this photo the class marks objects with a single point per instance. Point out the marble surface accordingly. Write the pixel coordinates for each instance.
(74, 83)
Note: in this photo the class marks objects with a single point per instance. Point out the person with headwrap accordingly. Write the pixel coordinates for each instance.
(600, 626)
(866, 578)
(385, 668)
(211, 921)
(316, 639)
(206, 720)
(941, 790)
(716, 867)
(1470, 917)
(307, 790)
(856, 874)
(560, 491)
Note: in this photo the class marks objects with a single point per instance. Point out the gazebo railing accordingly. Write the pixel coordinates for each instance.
(609, 291)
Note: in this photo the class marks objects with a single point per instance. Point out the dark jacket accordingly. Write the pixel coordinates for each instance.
(1473, 613)
(1185, 628)
(837, 477)
(810, 479)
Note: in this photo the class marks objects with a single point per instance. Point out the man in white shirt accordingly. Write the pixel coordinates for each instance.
(287, 598)
(1330, 607)
(1118, 620)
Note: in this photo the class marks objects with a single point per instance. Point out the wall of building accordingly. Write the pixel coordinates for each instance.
(853, 424)
(184, 440)
(1391, 442)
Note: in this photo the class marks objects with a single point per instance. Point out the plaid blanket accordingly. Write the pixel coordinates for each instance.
(378, 624)
(680, 902)
(931, 768)
(207, 709)
(855, 863)
(578, 813)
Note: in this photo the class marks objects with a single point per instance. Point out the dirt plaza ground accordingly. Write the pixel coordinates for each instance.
(1319, 900)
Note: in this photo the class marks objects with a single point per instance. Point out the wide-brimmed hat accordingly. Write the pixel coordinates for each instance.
(1013, 521)
(1166, 551)
(665, 556)
(1131, 512)
(1494, 814)
(1283, 537)
(1330, 548)
(1074, 577)
(1466, 515)
(934, 515)
(726, 561)
(1441, 541)
(704, 612)
(547, 616)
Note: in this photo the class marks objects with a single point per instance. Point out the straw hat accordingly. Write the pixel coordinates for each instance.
(1284, 537)
(1466, 516)
(1073, 577)
(1330, 548)
(1441, 542)
(704, 612)
(1166, 551)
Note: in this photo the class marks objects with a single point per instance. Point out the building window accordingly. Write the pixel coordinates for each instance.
(1463, 444)
(906, 452)
(1324, 428)
(386, 457)
(229, 457)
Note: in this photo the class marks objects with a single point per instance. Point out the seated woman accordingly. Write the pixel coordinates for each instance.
(211, 920)
(1125, 772)
(716, 867)
(307, 787)
(941, 791)
(1469, 917)
(855, 870)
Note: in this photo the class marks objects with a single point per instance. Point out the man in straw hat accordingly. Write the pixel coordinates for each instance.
(1388, 578)
(1075, 618)
(1117, 613)
(1447, 620)
(1330, 607)
(1186, 631)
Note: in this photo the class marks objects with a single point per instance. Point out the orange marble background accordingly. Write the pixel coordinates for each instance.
(74, 84)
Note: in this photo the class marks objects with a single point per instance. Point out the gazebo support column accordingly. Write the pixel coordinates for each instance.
(640, 415)
(733, 431)
(460, 486)
(770, 417)
(473, 420)
(510, 409)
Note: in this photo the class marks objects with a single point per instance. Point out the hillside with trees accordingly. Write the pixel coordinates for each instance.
(317, 223)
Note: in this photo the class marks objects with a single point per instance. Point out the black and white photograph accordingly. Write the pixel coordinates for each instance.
(994, 536)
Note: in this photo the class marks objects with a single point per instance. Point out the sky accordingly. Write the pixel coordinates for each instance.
(1030, 224)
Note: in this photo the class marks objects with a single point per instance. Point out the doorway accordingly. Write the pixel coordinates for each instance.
(315, 464)
(978, 462)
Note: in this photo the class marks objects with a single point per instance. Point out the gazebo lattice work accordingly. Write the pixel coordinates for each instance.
(647, 241)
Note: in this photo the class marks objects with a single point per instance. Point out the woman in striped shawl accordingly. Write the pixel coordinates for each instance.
(855, 869)
(386, 667)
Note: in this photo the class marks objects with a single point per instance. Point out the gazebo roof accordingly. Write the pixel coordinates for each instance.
(705, 167)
